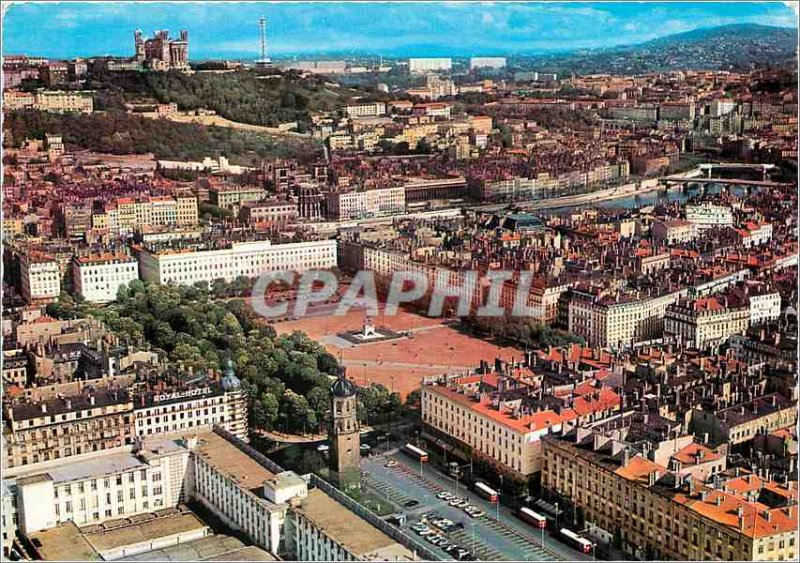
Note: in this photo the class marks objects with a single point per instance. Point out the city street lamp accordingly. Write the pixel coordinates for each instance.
(498, 498)
(594, 545)
(556, 516)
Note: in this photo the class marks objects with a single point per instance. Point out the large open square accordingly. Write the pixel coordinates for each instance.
(433, 346)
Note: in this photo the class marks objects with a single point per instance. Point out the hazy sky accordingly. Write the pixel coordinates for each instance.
(230, 29)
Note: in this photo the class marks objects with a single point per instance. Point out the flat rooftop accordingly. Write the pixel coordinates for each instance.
(64, 543)
(102, 465)
(212, 548)
(357, 535)
(232, 462)
(104, 540)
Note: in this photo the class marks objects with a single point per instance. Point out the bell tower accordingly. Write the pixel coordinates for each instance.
(343, 432)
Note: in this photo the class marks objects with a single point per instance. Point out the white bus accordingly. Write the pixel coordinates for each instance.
(486, 492)
(581, 544)
(416, 453)
(533, 518)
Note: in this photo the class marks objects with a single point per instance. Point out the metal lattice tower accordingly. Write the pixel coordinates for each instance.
(262, 25)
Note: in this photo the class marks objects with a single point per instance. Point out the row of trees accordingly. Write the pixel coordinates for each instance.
(521, 331)
(287, 377)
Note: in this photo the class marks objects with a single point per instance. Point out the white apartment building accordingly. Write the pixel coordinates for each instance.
(250, 259)
(765, 307)
(707, 215)
(40, 276)
(8, 518)
(722, 106)
(103, 488)
(429, 64)
(98, 277)
(235, 487)
(487, 62)
(343, 206)
(755, 234)
(673, 232)
(372, 109)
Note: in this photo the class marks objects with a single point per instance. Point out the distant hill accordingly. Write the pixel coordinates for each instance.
(728, 47)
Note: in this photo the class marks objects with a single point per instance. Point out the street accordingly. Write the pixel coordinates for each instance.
(510, 539)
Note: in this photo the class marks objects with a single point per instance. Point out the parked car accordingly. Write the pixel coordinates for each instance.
(391, 463)
(411, 503)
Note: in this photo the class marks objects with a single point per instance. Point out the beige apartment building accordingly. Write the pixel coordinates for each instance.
(228, 197)
(64, 427)
(615, 321)
(657, 514)
(499, 431)
(704, 322)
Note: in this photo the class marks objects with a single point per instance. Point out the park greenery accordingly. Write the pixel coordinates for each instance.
(287, 377)
(242, 96)
(117, 132)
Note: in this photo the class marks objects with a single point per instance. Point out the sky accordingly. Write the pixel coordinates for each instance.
(230, 29)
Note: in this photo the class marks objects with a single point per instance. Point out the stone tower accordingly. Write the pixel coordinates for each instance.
(343, 432)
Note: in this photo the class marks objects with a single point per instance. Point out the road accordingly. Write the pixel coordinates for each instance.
(508, 539)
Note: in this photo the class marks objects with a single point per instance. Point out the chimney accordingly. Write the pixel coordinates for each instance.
(44, 408)
(91, 400)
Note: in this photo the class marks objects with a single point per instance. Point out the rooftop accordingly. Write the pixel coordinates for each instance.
(232, 462)
(355, 534)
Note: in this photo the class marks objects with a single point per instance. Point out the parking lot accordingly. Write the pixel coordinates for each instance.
(414, 487)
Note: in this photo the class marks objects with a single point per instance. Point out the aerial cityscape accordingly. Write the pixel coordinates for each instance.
(400, 281)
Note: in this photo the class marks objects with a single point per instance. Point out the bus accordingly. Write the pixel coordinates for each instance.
(486, 492)
(533, 518)
(574, 540)
(416, 453)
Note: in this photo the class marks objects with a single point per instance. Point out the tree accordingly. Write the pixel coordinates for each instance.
(269, 406)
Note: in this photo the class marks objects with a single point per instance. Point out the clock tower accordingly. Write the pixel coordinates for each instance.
(343, 432)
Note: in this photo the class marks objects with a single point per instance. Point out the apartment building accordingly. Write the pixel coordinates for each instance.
(754, 234)
(476, 414)
(744, 421)
(707, 215)
(372, 109)
(346, 205)
(116, 485)
(271, 212)
(67, 426)
(188, 266)
(487, 62)
(416, 65)
(99, 277)
(619, 320)
(126, 215)
(40, 276)
(658, 514)
(704, 322)
(50, 100)
(8, 515)
(228, 197)
(40, 433)
(674, 231)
